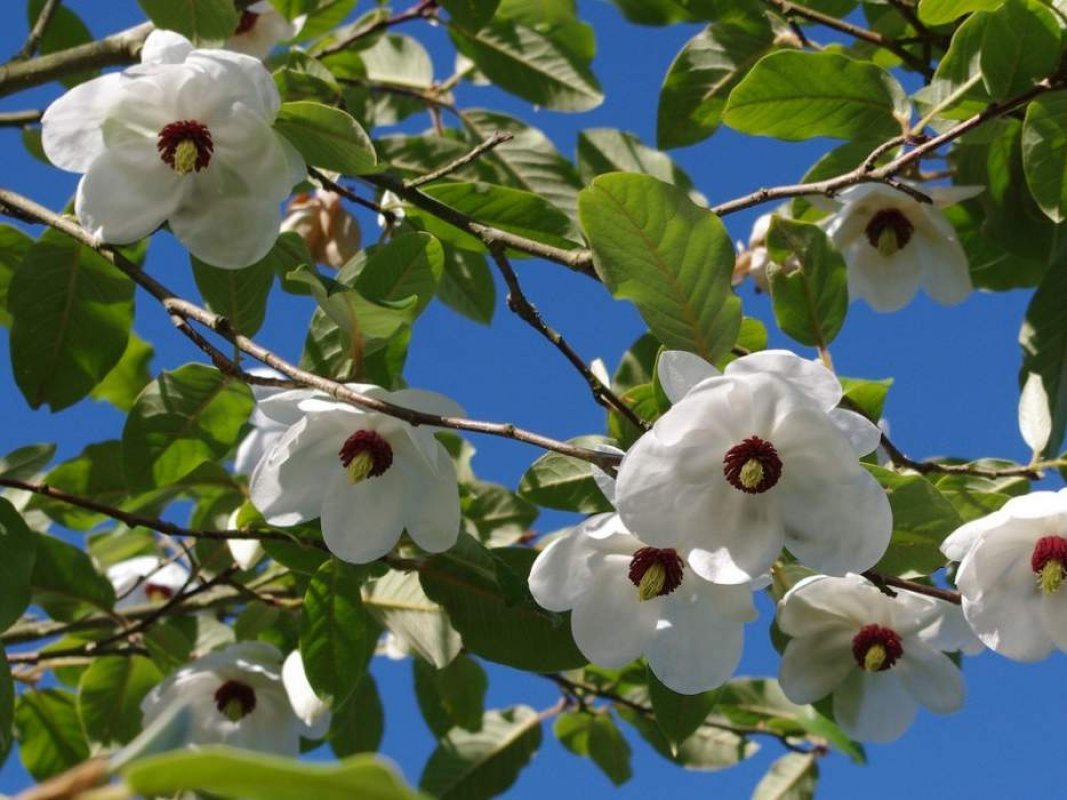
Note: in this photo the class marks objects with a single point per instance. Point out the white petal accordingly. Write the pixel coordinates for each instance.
(950, 195)
(874, 706)
(250, 158)
(813, 666)
(363, 522)
(72, 127)
(564, 571)
(930, 677)
(432, 511)
(604, 482)
(226, 232)
(960, 541)
(611, 625)
(289, 483)
(165, 47)
(284, 407)
(740, 542)
(820, 603)
(806, 376)
(886, 283)
(863, 434)
(246, 552)
(426, 402)
(231, 77)
(680, 371)
(946, 276)
(306, 704)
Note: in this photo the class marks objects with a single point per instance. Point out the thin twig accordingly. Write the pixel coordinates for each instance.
(908, 12)
(936, 467)
(484, 147)
(19, 119)
(420, 10)
(48, 11)
(883, 581)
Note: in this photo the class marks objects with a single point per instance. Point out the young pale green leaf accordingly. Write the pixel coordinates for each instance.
(64, 580)
(48, 732)
(337, 637)
(558, 481)
(791, 777)
(399, 604)
(530, 64)
(679, 715)
(922, 520)
(14, 245)
(1045, 154)
(467, 285)
(810, 302)
(470, 14)
(957, 90)
(486, 763)
(199, 20)
(409, 265)
(938, 12)
(121, 386)
(327, 137)
(109, 697)
(72, 313)
(451, 697)
(184, 418)
(603, 150)
(240, 295)
(358, 724)
(866, 397)
(227, 772)
(794, 95)
(1044, 341)
(651, 245)
(702, 76)
(19, 546)
(1021, 45)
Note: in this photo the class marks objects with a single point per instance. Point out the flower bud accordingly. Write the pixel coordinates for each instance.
(331, 233)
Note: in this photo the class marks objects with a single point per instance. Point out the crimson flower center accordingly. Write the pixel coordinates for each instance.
(876, 648)
(656, 571)
(185, 146)
(247, 23)
(365, 454)
(889, 231)
(1049, 562)
(157, 592)
(753, 466)
(235, 700)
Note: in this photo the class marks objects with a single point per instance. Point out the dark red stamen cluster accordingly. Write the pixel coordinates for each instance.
(1049, 548)
(890, 219)
(187, 130)
(367, 441)
(868, 637)
(740, 454)
(155, 591)
(247, 23)
(673, 566)
(230, 691)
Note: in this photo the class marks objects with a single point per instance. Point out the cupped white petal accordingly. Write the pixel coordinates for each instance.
(813, 666)
(165, 47)
(285, 407)
(230, 232)
(806, 376)
(565, 570)
(739, 543)
(874, 706)
(819, 603)
(432, 515)
(362, 522)
(930, 677)
(960, 541)
(605, 482)
(950, 195)
(250, 158)
(680, 371)
(611, 625)
(946, 276)
(230, 77)
(307, 706)
(887, 283)
(862, 434)
(72, 127)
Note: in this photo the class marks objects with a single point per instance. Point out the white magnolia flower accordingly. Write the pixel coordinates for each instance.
(367, 476)
(867, 649)
(1013, 563)
(145, 579)
(753, 459)
(183, 138)
(893, 244)
(260, 28)
(628, 599)
(237, 697)
(329, 231)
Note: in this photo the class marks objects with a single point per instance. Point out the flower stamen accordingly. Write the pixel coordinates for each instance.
(1049, 562)
(365, 454)
(889, 231)
(656, 571)
(753, 466)
(185, 146)
(248, 22)
(235, 700)
(876, 648)
(157, 593)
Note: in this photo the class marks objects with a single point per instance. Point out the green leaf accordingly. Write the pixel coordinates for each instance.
(64, 30)
(558, 481)
(467, 285)
(240, 295)
(679, 715)
(470, 14)
(922, 519)
(398, 602)
(603, 150)
(65, 583)
(938, 12)
(7, 708)
(595, 736)
(184, 418)
(72, 314)
(324, 17)
(1044, 341)
(795, 95)
(409, 265)
(866, 397)
(255, 776)
(109, 697)
(531, 65)
(96, 473)
(25, 462)
(1021, 45)
(452, 696)
(358, 724)
(486, 763)
(327, 137)
(671, 258)
(48, 732)
(121, 386)
(14, 245)
(810, 302)
(19, 546)
(495, 515)
(1045, 154)
(337, 637)
(791, 777)
(707, 749)
(199, 20)
(704, 73)
(957, 90)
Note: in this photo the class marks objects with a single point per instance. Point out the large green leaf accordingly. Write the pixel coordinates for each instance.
(109, 697)
(1021, 45)
(679, 715)
(121, 386)
(398, 602)
(671, 258)
(1044, 341)
(938, 12)
(19, 547)
(240, 295)
(1045, 154)
(796, 95)
(467, 285)
(603, 150)
(96, 473)
(409, 265)
(184, 418)
(597, 737)
(471, 14)
(65, 583)
(48, 732)
(922, 519)
(558, 481)
(327, 137)
(200, 20)
(957, 90)
(357, 725)
(14, 245)
(72, 313)
(452, 696)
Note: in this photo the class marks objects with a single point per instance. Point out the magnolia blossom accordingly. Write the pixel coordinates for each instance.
(184, 138)
(875, 653)
(1013, 563)
(145, 579)
(243, 697)
(753, 459)
(330, 233)
(260, 28)
(629, 599)
(893, 244)
(368, 476)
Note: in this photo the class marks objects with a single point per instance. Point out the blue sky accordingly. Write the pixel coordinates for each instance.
(955, 393)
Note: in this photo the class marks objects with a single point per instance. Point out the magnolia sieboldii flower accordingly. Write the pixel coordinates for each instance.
(239, 696)
(329, 231)
(260, 28)
(750, 460)
(629, 599)
(367, 476)
(184, 138)
(873, 652)
(146, 579)
(1013, 565)
(893, 244)
(754, 261)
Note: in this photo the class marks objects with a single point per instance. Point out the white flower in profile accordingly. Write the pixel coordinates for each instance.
(260, 29)
(307, 706)
(331, 234)
(750, 460)
(892, 244)
(874, 653)
(1013, 565)
(236, 696)
(629, 599)
(145, 579)
(368, 476)
(184, 138)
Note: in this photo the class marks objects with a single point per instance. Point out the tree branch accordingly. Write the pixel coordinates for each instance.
(19, 119)
(484, 147)
(48, 11)
(421, 10)
(883, 581)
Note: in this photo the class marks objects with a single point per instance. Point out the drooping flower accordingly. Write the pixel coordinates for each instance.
(145, 579)
(237, 697)
(260, 28)
(750, 460)
(1013, 563)
(893, 244)
(754, 261)
(367, 476)
(329, 231)
(629, 599)
(184, 138)
(874, 653)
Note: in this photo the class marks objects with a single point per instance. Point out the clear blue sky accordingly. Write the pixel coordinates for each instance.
(955, 393)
